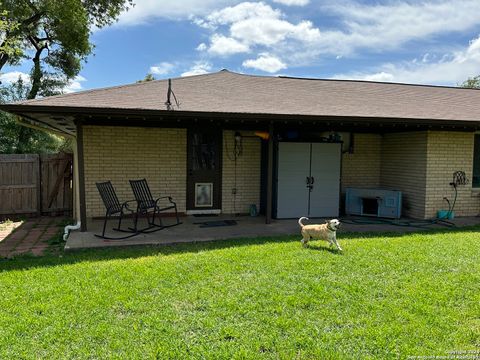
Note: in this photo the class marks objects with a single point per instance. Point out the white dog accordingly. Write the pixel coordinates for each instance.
(327, 231)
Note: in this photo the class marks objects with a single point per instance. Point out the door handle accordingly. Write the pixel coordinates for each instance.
(312, 180)
(309, 182)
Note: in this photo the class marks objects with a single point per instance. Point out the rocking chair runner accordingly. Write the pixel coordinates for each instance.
(113, 207)
(146, 203)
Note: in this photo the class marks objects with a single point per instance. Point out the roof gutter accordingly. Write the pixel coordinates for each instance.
(89, 112)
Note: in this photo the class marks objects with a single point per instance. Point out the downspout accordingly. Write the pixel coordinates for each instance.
(76, 195)
(68, 228)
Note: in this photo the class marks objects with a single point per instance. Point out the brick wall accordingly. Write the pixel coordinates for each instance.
(420, 164)
(247, 174)
(122, 153)
(449, 152)
(394, 161)
(404, 161)
(362, 168)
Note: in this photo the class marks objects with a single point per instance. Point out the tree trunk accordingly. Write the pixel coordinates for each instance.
(3, 60)
(34, 19)
(36, 80)
(37, 74)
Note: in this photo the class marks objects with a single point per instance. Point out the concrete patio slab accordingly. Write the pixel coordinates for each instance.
(247, 227)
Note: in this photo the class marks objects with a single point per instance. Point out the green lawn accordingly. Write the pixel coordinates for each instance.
(384, 297)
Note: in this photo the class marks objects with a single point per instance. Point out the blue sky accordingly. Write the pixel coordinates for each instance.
(427, 42)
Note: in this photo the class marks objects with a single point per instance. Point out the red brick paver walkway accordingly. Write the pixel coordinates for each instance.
(31, 237)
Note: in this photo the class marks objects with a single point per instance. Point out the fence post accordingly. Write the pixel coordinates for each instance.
(38, 179)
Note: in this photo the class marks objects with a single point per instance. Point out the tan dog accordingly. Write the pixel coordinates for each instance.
(327, 231)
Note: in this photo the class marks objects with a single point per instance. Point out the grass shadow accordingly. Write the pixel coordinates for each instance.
(133, 251)
(434, 230)
(329, 249)
(136, 251)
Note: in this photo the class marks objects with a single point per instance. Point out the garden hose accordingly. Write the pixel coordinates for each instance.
(405, 223)
(450, 208)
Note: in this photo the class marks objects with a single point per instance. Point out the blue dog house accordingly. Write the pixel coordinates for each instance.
(373, 202)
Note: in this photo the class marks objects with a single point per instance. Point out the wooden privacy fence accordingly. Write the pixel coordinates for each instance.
(36, 184)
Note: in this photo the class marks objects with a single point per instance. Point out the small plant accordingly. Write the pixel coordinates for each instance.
(56, 242)
(5, 224)
(56, 239)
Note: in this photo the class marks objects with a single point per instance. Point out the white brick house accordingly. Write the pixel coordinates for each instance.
(395, 136)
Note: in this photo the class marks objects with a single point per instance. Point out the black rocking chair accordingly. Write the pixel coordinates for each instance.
(146, 203)
(114, 207)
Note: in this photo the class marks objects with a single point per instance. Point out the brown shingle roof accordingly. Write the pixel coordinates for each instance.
(227, 92)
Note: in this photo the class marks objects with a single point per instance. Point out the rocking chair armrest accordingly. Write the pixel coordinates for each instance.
(164, 197)
(126, 206)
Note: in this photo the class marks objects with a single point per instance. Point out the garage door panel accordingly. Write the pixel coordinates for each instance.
(325, 195)
(293, 169)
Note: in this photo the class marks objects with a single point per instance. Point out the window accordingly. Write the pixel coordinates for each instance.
(204, 151)
(476, 162)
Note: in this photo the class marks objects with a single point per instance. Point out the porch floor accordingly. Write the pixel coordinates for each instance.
(247, 227)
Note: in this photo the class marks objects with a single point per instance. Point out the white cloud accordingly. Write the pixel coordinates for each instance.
(259, 23)
(451, 69)
(374, 27)
(265, 62)
(13, 76)
(223, 46)
(391, 25)
(198, 68)
(74, 85)
(242, 11)
(146, 10)
(379, 76)
(202, 47)
(162, 68)
(268, 32)
(260, 27)
(253, 24)
(292, 2)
